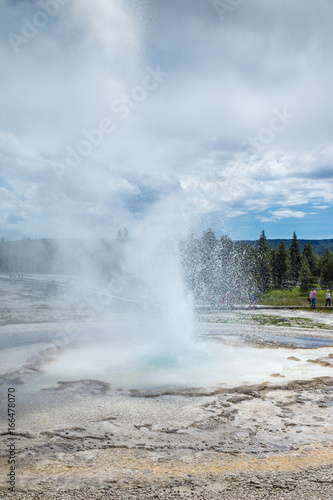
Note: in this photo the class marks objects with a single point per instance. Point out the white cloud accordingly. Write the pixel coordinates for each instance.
(280, 214)
(262, 219)
(183, 141)
(286, 214)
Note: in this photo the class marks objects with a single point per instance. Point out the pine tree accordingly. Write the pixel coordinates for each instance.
(208, 266)
(280, 265)
(189, 260)
(294, 259)
(227, 265)
(264, 270)
(311, 257)
(246, 270)
(326, 269)
(263, 245)
(209, 240)
(275, 266)
(305, 276)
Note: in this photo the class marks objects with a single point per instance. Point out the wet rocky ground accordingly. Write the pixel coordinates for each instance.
(87, 439)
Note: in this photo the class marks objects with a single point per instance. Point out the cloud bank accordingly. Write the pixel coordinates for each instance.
(114, 112)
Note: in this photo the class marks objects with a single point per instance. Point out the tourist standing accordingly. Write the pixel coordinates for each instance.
(328, 298)
(313, 298)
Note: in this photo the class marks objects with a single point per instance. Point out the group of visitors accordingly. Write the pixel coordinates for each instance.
(252, 300)
(224, 301)
(312, 298)
(228, 300)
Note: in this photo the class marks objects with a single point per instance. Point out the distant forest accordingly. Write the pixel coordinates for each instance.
(211, 265)
(217, 266)
(318, 246)
(61, 256)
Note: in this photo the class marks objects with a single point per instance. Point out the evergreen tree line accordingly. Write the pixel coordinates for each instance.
(211, 266)
(214, 267)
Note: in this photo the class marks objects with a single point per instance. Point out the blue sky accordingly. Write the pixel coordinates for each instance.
(177, 113)
(247, 227)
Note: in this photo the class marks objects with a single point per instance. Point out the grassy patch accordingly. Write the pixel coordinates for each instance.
(291, 297)
(263, 319)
